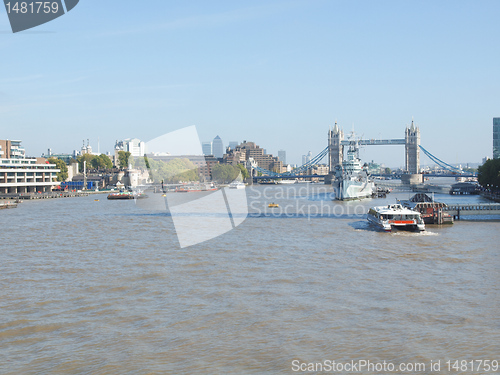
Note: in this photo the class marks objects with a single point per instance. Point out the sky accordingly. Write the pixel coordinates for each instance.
(278, 73)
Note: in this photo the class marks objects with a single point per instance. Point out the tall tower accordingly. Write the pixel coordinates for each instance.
(335, 148)
(412, 149)
(218, 147)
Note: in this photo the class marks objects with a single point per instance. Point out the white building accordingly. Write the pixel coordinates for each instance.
(21, 175)
(133, 145)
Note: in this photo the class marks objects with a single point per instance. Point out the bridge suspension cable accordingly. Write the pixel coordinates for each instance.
(297, 170)
(441, 163)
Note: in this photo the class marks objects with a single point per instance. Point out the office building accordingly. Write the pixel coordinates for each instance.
(206, 148)
(218, 147)
(11, 149)
(249, 151)
(233, 144)
(282, 156)
(496, 137)
(135, 146)
(306, 158)
(19, 174)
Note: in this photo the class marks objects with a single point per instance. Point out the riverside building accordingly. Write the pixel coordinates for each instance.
(19, 174)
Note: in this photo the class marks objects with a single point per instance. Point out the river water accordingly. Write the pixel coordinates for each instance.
(103, 287)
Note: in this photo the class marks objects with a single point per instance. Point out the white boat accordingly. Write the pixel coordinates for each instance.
(285, 182)
(395, 216)
(236, 185)
(351, 178)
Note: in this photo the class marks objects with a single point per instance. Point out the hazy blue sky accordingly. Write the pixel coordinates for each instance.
(275, 72)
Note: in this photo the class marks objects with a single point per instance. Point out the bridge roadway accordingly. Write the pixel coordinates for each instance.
(472, 209)
(372, 175)
(377, 142)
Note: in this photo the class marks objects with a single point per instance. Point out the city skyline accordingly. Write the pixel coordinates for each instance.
(278, 73)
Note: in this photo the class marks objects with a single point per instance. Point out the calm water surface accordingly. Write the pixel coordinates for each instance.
(103, 287)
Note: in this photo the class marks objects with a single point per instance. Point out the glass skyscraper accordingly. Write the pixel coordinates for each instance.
(496, 138)
(206, 148)
(217, 147)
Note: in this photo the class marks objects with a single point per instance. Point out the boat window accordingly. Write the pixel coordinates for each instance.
(382, 217)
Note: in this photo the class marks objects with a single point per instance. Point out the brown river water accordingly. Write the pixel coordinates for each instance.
(103, 287)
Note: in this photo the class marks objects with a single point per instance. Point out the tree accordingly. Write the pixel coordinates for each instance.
(84, 158)
(62, 175)
(489, 174)
(387, 171)
(244, 171)
(101, 162)
(224, 173)
(123, 159)
(173, 171)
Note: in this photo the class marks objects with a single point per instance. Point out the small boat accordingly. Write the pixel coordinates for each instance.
(273, 205)
(236, 185)
(395, 216)
(121, 195)
(127, 195)
(96, 200)
(286, 182)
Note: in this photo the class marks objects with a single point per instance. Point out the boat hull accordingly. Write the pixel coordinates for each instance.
(349, 190)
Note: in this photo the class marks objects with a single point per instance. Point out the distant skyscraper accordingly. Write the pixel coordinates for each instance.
(496, 138)
(206, 148)
(306, 158)
(282, 156)
(218, 147)
(233, 144)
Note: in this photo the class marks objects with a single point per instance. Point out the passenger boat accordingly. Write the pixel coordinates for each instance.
(121, 195)
(236, 185)
(196, 188)
(127, 195)
(395, 216)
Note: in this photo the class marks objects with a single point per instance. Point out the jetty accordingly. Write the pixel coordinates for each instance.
(51, 195)
(457, 210)
(4, 205)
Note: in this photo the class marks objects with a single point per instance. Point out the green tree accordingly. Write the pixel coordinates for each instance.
(173, 171)
(224, 173)
(85, 157)
(387, 171)
(489, 174)
(101, 162)
(62, 175)
(123, 159)
(244, 171)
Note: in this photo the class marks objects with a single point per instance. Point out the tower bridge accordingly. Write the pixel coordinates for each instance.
(335, 153)
(336, 143)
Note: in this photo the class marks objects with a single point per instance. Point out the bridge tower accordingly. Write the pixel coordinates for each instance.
(335, 148)
(412, 149)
